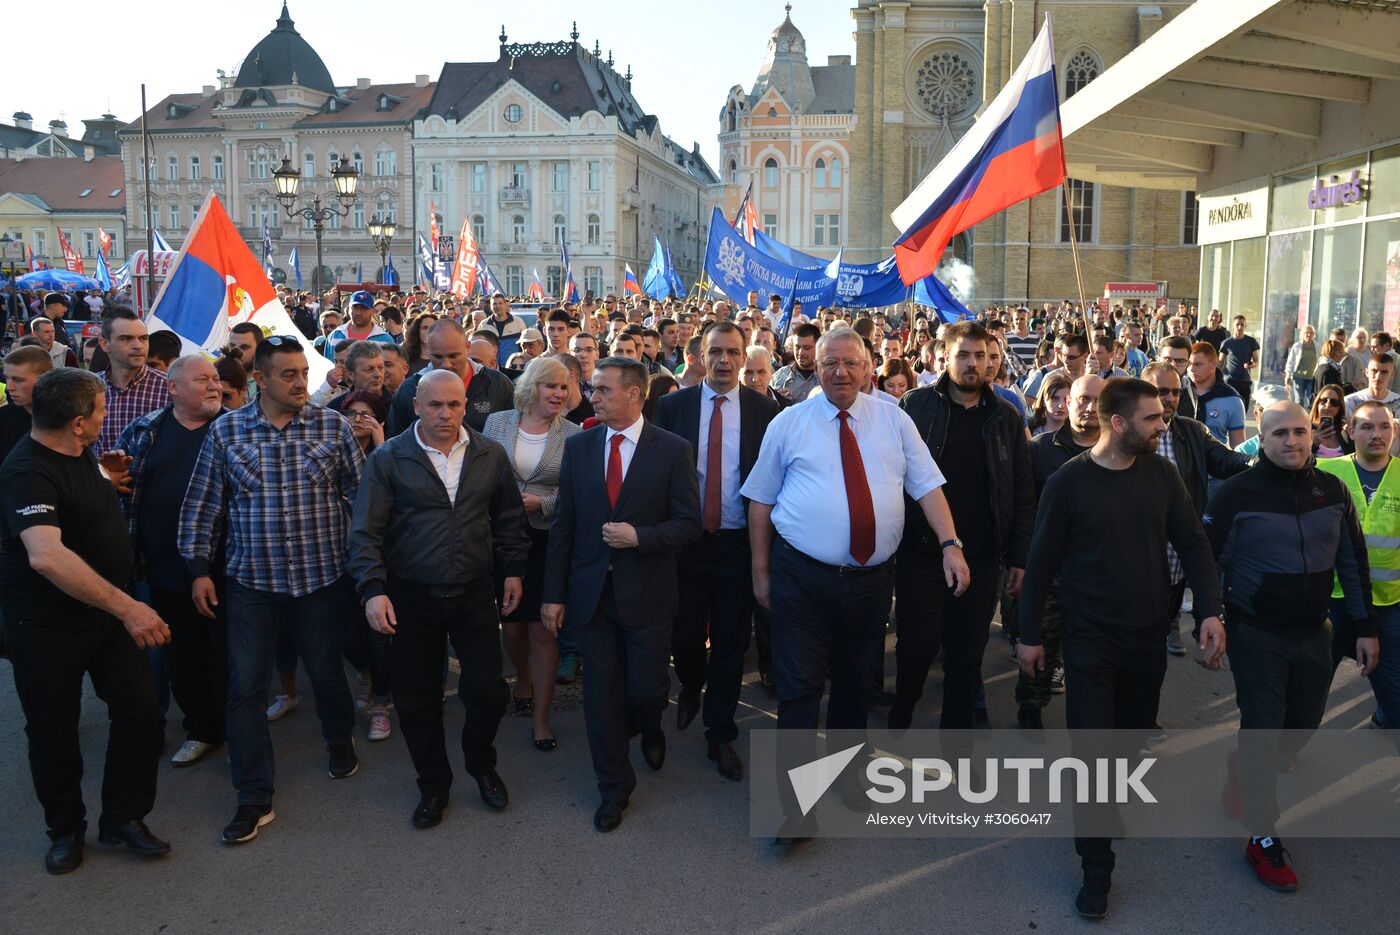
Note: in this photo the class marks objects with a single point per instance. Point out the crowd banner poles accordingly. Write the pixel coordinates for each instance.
(1074, 250)
(150, 218)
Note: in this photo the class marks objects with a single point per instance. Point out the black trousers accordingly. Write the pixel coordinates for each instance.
(1246, 390)
(427, 618)
(933, 618)
(626, 687)
(50, 660)
(826, 622)
(763, 637)
(197, 660)
(716, 588)
(1113, 682)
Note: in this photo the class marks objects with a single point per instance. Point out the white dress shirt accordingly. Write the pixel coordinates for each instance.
(799, 474)
(628, 447)
(732, 505)
(448, 466)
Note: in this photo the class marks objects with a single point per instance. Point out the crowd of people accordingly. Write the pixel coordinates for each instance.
(623, 486)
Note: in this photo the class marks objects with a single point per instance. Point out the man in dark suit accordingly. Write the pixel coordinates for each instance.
(724, 423)
(628, 503)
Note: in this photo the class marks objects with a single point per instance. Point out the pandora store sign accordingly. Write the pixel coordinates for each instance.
(1236, 216)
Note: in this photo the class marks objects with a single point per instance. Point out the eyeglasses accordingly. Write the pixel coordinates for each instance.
(282, 340)
(1331, 403)
(358, 415)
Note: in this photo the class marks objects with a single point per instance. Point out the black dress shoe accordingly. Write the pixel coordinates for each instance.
(654, 750)
(493, 790)
(766, 680)
(730, 766)
(608, 816)
(429, 811)
(1092, 901)
(135, 835)
(65, 854)
(687, 706)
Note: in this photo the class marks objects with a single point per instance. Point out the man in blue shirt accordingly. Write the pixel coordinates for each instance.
(1216, 403)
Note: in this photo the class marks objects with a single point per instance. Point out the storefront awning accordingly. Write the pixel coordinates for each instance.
(1220, 71)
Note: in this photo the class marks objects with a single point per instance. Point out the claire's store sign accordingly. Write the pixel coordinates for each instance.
(1335, 193)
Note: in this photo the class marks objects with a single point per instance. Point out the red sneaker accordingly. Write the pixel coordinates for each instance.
(1270, 863)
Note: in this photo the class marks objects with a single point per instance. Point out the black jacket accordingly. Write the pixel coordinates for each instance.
(1009, 482)
(487, 393)
(1050, 451)
(1279, 536)
(404, 527)
(679, 413)
(1200, 456)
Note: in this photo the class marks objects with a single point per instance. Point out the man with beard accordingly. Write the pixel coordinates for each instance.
(979, 442)
(1104, 523)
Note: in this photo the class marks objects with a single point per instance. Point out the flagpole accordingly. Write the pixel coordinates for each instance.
(150, 218)
(1074, 250)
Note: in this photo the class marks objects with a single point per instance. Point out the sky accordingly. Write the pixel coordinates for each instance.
(684, 56)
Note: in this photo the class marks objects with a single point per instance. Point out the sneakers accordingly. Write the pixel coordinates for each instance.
(281, 706)
(568, 670)
(1270, 863)
(190, 753)
(1174, 644)
(1186, 604)
(246, 822)
(343, 762)
(379, 727)
(363, 692)
(1057, 680)
(1092, 901)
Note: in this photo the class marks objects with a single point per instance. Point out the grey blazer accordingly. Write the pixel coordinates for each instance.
(501, 428)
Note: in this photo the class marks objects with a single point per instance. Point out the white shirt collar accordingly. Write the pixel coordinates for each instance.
(708, 392)
(461, 439)
(632, 433)
(832, 413)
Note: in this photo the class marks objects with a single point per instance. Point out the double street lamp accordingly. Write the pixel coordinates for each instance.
(381, 232)
(346, 178)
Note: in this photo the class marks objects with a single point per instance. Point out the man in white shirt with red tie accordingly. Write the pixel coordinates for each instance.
(830, 479)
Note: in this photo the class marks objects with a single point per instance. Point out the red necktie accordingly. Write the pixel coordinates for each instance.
(857, 494)
(615, 470)
(714, 470)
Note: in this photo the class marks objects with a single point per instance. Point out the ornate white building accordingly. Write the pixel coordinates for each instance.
(230, 137)
(788, 136)
(547, 144)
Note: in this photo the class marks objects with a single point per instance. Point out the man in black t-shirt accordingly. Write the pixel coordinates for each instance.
(1213, 333)
(23, 367)
(64, 558)
(163, 447)
(1240, 355)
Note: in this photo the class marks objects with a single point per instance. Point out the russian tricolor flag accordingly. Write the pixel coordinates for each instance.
(215, 283)
(1012, 152)
(629, 280)
(536, 290)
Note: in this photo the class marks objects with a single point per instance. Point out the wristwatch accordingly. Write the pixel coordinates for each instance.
(955, 541)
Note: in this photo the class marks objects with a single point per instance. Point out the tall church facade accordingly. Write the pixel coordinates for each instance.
(923, 71)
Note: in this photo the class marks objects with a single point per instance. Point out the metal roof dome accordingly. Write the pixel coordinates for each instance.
(282, 56)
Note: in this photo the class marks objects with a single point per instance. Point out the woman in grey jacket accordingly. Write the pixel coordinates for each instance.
(533, 435)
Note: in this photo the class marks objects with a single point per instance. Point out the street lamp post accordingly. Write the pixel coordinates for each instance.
(381, 233)
(5, 241)
(288, 180)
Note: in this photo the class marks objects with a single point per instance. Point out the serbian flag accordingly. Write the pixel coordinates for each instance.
(34, 264)
(432, 226)
(536, 290)
(570, 289)
(216, 282)
(71, 261)
(629, 280)
(467, 262)
(1012, 152)
(104, 241)
(746, 218)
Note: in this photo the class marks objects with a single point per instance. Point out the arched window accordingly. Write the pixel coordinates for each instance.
(308, 165)
(595, 230)
(560, 230)
(478, 228)
(261, 164)
(834, 173)
(194, 168)
(172, 167)
(770, 173)
(733, 172)
(332, 160)
(517, 229)
(819, 174)
(357, 159)
(218, 168)
(1082, 68)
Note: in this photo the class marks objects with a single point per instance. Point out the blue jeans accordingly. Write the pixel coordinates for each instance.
(1385, 681)
(253, 621)
(1303, 389)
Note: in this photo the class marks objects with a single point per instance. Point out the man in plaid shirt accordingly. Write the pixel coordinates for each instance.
(133, 389)
(280, 476)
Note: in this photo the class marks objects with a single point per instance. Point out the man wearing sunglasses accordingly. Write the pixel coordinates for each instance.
(271, 490)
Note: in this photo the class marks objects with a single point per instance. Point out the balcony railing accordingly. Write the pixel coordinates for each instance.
(511, 195)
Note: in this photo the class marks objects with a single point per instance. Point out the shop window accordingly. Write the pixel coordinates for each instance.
(1380, 277)
(1383, 187)
(1290, 201)
(1336, 274)
(1285, 300)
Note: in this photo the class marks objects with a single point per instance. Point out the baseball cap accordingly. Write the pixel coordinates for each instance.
(531, 334)
(362, 298)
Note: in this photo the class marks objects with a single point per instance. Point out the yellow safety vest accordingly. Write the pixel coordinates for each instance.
(1380, 521)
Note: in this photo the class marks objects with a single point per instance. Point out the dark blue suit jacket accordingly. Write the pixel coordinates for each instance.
(660, 497)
